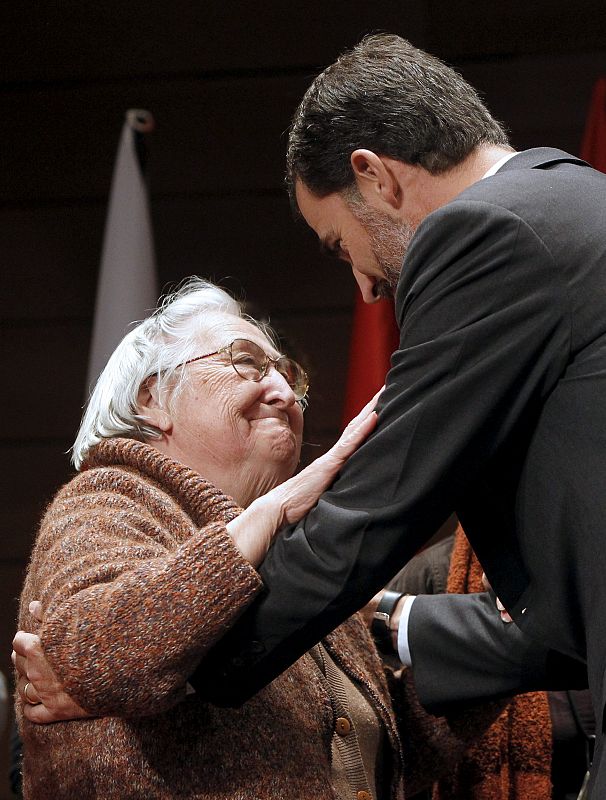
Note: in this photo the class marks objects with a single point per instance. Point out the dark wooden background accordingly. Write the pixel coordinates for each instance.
(222, 79)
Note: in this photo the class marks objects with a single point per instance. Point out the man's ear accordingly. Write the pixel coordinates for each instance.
(149, 408)
(375, 178)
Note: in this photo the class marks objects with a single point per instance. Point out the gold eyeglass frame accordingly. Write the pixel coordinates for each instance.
(262, 367)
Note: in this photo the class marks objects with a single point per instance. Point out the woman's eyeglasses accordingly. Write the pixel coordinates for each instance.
(251, 362)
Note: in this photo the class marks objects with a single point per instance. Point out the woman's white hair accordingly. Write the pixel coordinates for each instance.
(157, 347)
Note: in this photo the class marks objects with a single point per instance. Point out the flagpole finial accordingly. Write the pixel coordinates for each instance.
(140, 120)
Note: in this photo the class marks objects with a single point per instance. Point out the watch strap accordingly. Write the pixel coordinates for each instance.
(380, 626)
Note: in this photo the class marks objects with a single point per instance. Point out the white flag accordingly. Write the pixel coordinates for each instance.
(127, 287)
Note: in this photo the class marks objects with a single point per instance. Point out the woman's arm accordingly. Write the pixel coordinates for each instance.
(121, 637)
(126, 617)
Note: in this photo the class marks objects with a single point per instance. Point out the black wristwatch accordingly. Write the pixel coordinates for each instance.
(380, 626)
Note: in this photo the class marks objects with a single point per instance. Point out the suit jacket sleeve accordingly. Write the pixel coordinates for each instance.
(484, 336)
(463, 653)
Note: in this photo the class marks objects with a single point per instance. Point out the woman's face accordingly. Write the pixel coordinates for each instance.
(242, 435)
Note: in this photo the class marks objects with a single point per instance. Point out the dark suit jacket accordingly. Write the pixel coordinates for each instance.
(494, 408)
(462, 653)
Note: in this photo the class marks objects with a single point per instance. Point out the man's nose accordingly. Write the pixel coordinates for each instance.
(366, 285)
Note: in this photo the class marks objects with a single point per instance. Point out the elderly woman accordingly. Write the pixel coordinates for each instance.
(145, 559)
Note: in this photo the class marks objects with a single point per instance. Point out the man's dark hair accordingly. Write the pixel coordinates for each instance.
(389, 97)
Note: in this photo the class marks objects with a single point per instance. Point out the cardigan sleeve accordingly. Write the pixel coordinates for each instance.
(134, 595)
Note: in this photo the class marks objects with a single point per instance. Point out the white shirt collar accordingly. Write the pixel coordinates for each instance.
(496, 167)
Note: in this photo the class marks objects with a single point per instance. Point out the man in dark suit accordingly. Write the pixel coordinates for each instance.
(494, 404)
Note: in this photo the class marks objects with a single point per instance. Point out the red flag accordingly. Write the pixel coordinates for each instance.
(374, 338)
(593, 148)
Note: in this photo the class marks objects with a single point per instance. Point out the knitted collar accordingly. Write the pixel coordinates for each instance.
(198, 497)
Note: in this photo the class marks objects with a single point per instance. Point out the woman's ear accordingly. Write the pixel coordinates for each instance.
(149, 406)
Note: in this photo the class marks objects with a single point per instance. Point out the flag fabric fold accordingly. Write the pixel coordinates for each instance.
(374, 338)
(127, 287)
(593, 147)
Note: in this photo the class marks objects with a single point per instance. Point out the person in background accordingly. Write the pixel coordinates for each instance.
(540, 744)
(15, 778)
(3, 703)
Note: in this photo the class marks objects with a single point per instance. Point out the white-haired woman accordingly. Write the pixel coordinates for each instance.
(145, 558)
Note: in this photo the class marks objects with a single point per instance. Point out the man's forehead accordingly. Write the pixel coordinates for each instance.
(321, 213)
(306, 201)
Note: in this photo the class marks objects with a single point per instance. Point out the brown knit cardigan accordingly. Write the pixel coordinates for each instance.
(139, 578)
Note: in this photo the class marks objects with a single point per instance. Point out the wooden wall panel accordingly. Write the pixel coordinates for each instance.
(50, 255)
(255, 243)
(214, 136)
(72, 40)
(541, 99)
(44, 395)
(34, 472)
(321, 343)
(465, 28)
(221, 137)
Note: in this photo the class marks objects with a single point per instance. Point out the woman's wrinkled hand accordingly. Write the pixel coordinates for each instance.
(254, 530)
(300, 494)
(43, 697)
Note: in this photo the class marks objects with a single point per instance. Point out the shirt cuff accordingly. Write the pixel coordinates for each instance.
(403, 646)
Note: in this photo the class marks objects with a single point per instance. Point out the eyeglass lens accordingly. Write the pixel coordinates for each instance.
(250, 362)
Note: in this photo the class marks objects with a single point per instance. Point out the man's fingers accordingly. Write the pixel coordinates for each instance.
(35, 609)
(42, 696)
(31, 664)
(39, 714)
(30, 660)
(20, 663)
(27, 692)
(27, 644)
(505, 617)
(503, 613)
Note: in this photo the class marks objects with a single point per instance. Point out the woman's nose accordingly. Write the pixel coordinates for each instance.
(277, 387)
